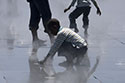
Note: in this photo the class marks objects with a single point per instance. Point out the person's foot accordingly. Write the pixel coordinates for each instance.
(85, 31)
(85, 27)
(65, 64)
(41, 63)
(39, 43)
(76, 30)
(86, 34)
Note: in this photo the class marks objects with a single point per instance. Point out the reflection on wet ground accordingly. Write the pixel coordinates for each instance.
(36, 74)
(78, 72)
(19, 59)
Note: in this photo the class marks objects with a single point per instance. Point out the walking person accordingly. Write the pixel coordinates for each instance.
(82, 7)
(39, 9)
(66, 41)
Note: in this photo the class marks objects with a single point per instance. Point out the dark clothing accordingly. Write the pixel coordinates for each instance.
(39, 9)
(70, 52)
(28, 0)
(76, 13)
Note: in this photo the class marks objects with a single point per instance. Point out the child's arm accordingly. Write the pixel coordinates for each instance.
(72, 4)
(97, 7)
(65, 10)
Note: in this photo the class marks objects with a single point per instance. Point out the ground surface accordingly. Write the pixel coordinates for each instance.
(106, 38)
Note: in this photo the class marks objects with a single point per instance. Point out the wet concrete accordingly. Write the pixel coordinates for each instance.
(106, 50)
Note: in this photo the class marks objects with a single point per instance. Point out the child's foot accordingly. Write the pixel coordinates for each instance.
(65, 64)
(76, 30)
(85, 27)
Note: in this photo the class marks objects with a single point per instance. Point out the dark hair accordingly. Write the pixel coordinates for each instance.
(53, 22)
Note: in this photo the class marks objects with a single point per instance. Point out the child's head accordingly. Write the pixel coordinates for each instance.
(53, 26)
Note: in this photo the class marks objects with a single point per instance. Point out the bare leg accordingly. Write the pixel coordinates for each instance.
(86, 18)
(73, 16)
(36, 41)
(34, 35)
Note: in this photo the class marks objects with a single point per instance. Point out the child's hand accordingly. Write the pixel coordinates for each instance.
(65, 10)
(98, 11)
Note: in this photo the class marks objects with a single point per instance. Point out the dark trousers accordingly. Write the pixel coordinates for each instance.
(70, 52)
(76, 13)
(39, 9)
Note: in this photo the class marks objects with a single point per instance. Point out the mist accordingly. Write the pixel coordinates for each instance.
(104, 62)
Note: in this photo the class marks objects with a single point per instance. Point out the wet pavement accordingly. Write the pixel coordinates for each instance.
(104, 62)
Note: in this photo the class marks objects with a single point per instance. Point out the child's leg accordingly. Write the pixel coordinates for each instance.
(73, 16)
(85, 17)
